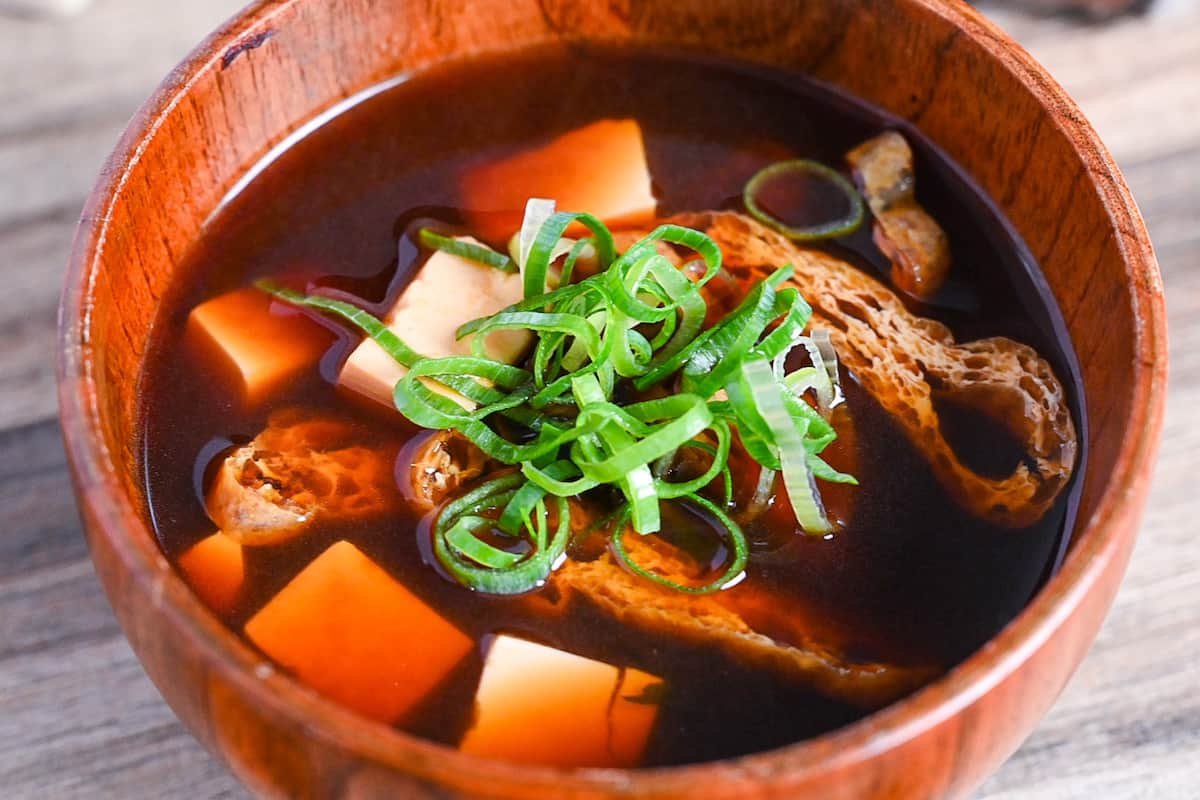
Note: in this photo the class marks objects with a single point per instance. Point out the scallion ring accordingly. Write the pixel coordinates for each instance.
(736, 541)
(468, 250)
(841, 226)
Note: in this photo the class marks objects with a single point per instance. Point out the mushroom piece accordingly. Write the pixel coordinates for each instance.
(910, 238)
(301, 467)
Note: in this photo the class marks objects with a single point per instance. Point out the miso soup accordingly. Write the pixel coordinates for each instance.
(778, 431)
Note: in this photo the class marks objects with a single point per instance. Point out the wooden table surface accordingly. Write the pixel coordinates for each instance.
(78, 718)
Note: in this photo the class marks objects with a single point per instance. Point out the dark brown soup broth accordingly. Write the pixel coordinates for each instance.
(912, 577)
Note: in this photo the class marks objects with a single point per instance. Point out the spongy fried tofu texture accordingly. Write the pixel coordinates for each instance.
(351, 631)
(538, 704)
(906, 362)
(303, 466)
(447, 292)
(717, 621)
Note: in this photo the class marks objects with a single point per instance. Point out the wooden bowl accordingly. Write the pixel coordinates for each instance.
(282, 62)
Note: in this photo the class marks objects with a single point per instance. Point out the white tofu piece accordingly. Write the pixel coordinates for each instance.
(540, 705)
(447, 292)
(351, 631)
(600, 168)
(215, 569)
(264, 342)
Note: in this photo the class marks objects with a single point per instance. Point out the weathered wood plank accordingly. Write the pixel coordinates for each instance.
(69, 87)
(62, 74)
(31, 272)
(1166, 193)
(82, 721)
(37, 516)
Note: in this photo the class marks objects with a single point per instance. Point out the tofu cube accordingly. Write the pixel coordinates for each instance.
(262, 341)
(215, 570)
(446, 293)
(352, 632)
(600, 168)
(540, 705)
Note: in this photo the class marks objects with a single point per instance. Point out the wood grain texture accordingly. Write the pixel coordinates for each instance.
(79, 719)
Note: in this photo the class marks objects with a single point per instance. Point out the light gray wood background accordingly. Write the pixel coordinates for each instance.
(79, 719)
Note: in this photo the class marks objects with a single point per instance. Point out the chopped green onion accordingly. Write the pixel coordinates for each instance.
(732, 573)
(537, 211)
(462, 540)
(829, 358)
(384, 336)
(763, 401)
(541, 251)
(822, 377)
(467, 250)
(762, 492)
(839, 226)
(719, 466)
(484, 568)
(635, 326)
(601, 448)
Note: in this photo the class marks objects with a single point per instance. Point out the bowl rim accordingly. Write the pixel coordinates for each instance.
(1100, 538)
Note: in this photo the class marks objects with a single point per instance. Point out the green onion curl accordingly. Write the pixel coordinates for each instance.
(736, 540)
(468, 250)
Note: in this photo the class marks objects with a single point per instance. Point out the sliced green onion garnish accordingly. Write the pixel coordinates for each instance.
(485, 568)
(599, 449)
(762, 492)
(736, 539)
(829, 359)
(762, 398)
(467, 250)
(461, 539)
(384, 336)
(537, 211)
(842, 225)
(822, 377)
(541, 251)
(621, 379)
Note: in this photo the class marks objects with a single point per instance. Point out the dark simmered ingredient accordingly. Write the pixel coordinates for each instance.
(719, 620)
(906, 362)
(301, 467)
(443, 463)
(910, 238)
